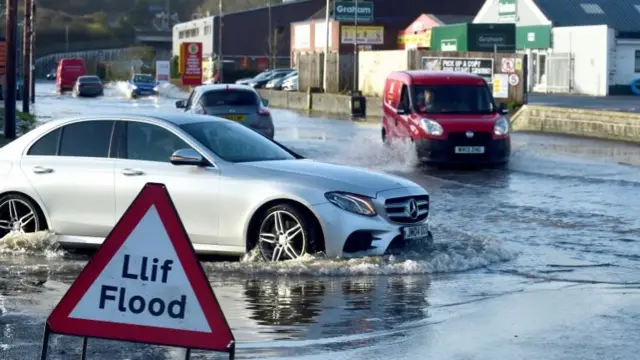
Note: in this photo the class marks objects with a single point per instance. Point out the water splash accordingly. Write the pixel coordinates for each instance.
(36, 244)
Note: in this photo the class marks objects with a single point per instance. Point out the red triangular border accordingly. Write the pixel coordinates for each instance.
(221, 337)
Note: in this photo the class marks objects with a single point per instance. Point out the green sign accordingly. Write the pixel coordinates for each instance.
(507, 10)
(533, 37)
(346, 11)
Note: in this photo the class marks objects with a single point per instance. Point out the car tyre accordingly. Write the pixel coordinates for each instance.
(285, 233)
(19, 214)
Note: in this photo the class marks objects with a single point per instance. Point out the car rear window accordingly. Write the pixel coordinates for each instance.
(91, 79)
(229, 97)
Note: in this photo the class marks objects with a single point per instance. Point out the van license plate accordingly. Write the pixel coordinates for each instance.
(415, 232)
(469, 149)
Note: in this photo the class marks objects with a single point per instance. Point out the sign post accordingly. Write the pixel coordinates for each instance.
(144, 284)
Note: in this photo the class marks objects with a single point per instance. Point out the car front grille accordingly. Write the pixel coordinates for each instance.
(478, 139)
(397, 208)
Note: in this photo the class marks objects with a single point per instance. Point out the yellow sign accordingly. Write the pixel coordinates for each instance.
(367, 35)
(418, 40)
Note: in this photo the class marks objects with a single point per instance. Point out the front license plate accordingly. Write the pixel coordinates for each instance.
(469, 149)
(415, 232)
(234, 117)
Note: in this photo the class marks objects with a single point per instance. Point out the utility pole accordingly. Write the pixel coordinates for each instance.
(32, 58)
(220, 64)
(26, 57)
(355, 51)
(271, 39)
(326, 47)
(169, 14)
(9, 86)
(66, 27)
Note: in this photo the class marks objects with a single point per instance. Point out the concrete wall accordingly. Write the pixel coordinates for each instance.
(590, 47)
(375, 66)
(336, 104)
(609, 125)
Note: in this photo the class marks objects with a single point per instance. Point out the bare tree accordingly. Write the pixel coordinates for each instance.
(275, 43)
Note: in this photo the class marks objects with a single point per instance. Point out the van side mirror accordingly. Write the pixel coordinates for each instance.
(180, 104)
(265, 102)
(504, 109)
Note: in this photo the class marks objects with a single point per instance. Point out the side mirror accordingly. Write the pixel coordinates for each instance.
(187, 157)
(402, 110)
(504, 109)
(265, 102)
(180, 104)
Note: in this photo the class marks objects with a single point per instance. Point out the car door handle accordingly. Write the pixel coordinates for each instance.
(132, 172)
(42, 170)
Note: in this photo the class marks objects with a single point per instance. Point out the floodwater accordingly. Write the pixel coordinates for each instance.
(537, 261)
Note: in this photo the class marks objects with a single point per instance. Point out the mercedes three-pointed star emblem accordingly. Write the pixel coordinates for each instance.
(412, 209)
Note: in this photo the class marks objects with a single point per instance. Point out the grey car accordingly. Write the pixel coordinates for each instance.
(88, 85)
(240, 103)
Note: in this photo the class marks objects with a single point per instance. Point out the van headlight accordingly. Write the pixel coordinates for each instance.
(501, 127)
(431, 127)
(356, 204)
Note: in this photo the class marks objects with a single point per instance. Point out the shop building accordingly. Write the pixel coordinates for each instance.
(380, 32)
(418, 34)
(588, 47)
(251, 37)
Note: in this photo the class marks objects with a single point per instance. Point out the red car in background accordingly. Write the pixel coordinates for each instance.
(69, 70)
(451, 117)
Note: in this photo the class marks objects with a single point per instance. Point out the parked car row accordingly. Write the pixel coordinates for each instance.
(276, 79)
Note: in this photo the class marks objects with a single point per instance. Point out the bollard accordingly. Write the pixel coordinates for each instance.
(309, 99)
(358, 105)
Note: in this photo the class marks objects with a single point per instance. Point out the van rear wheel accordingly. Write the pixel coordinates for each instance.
(385, 139)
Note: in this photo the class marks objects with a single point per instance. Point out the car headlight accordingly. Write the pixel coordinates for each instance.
(431, 127)
(156, 89)
(357, 204)
(501, 127)
(134, 87)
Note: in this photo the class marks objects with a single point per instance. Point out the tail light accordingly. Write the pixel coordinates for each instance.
(198, 109)
(263, 112)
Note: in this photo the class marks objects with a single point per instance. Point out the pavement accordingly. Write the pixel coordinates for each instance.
(624, 103)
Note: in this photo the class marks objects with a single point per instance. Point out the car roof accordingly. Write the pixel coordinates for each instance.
(214, 87)
(171, 118)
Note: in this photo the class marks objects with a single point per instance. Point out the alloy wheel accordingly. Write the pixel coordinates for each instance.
(282, 237)
(17, 217)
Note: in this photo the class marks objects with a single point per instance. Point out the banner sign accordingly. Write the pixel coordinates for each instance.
(191, 63)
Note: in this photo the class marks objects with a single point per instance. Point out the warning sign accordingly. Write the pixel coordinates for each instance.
(145, 284)
(508, 65)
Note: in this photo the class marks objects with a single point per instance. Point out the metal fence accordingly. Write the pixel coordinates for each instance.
(559, 73)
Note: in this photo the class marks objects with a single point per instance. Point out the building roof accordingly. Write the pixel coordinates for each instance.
(452, 19)
(621, 15)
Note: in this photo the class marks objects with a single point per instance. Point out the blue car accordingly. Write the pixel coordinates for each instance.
(142, 85)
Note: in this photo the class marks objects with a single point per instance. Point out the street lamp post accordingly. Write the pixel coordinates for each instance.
(220, 65)
(326, 47)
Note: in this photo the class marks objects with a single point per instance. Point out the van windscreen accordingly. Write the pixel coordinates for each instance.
(453, 99)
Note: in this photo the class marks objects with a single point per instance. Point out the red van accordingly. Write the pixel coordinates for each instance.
(68, 72)
(451, 117)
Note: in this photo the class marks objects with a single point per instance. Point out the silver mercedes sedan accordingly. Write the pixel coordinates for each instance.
(234, 188)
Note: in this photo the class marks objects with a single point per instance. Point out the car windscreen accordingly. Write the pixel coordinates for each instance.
(453, 99)
(236, 143)
(263, 75)
(229, 97)
(143, 79)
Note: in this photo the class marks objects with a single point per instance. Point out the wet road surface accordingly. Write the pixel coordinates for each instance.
(537, 261)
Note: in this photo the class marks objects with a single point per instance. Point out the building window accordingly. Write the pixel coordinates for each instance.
(207, 30)
(637, 63)
(592, 9)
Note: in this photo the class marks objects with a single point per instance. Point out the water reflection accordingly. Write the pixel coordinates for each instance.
(321, 308)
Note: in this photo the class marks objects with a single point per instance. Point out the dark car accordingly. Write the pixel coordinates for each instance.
(276, 82)
(260, 81)
(239, 103)
(88, 85)
(52, 75)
